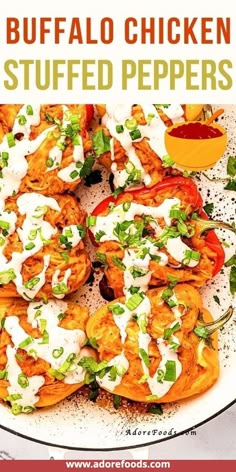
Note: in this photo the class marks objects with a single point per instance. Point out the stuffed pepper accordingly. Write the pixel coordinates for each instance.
(42, 251)
(130, 141)
(40, 347)
(150, 235)
(44, 148)
(158, 347)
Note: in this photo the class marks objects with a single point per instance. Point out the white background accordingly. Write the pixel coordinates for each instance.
(116, 51)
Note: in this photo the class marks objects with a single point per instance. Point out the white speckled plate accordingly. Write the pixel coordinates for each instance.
(78, 423)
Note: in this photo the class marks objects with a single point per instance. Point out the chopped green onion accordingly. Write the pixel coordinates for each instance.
(33, 353)
(26, 342)
(13, 397)
(116, 401)
(155, 409)
(3, 320)
(57, 352)
(45, 338)
(92, 342)
(143, 379)
(4, 225)
(160, 375)
(113, 374)
(81, 231)
(151, 397)
(21, 120)
(232, 280)
(49, 162)
(119, 129)
(102, 257)
(2, 241)
(16, 409)
(118, 263)
(91, 221)
(126, 206)
(7, 276)
(28, 409)
(68, 232)
(231, 261)
(32, 234)
(60, 289)
(191, 255)
(173, 345)
(133, 290)
(29, 246)
(131, 124)
(40, 211)
(135, 134)
(61, 316)
(166, 294)
(134, 301)
(29, 110)
(144, 356)
(167, 161)
(116, 309)
(43, 325)
(3, 374)
(74, 174)
(32, 283)
(56, 374)
(138, 272)
(65, 256)
(142, 322)
(10, 140)
(170, 373)
(178, 214)
(23, 381)
(169, 331)
(99, 235)
(67, 364)
(101, 142)
(201, 331)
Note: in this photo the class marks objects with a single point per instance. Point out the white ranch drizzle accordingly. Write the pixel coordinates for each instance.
(56, 282)
(28, 395)
(72, 233)
(35, 231)
(31, 120)
(177, 248)
(122, 365)
(118, 215)
(154, 131)
(65, 340)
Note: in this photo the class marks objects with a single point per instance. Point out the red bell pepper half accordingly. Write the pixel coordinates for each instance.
(194, 199)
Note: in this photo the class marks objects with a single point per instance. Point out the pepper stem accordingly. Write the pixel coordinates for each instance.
(220, 322)
(205, 225)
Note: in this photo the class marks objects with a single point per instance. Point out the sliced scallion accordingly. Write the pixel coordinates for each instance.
(135, 134)
(29, 110)
(57, 352)
(134, 301)
(29, 246)
(32, 283)
(27, 341)
(144, 356)
(116, 309)
(23, 381)
(91, 221)
(170, 373)
(10, 140)
(119, 129)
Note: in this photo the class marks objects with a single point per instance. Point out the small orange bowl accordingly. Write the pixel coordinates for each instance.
(195, 154)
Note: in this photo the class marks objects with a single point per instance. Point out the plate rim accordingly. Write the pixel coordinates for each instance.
(122, 448)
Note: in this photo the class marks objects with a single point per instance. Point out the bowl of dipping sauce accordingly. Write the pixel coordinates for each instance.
(195, 145)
